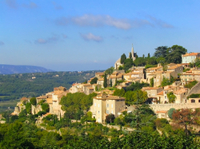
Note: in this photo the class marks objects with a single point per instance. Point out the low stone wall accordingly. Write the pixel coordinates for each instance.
(166, 107)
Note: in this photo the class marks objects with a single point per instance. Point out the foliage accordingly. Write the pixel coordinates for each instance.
(16, 86)
(194, 96)
(109, 70)
(105, 81)
(191, 84)
(161, 122)
(128, 63)
(152, 82)
(186, 117)
(40, 113)
(28, 107)
(45, 107)
(33, 101)
(123, 58)
(136, 86)
(119, 92)
(75, 104)
(142, 61)
(94, 80)
(110, 118)
(133, 97)
(171, 97)
(161, 52)
(170, 112)
(174, 54)
(166, 82)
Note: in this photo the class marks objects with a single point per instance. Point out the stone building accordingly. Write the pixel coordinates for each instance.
(104, 105)
(190, 57)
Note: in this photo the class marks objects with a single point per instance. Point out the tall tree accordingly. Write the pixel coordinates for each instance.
(130, 55)
(186, 117)
(105, 81)
(161, 52)
(174, 54)
(123, 58)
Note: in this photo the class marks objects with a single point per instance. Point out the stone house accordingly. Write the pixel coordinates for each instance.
(104, 105)
(115, 76)
(152, 93)
(191, 75)
(76, 87)
(190, 57)
(57, 94)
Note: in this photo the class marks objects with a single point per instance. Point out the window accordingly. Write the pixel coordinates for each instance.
(192, 101)
(199, 100)
(107, 111)
(98, 105)
(107, 105)
(98, 112)
(95, 104)
(112, 105)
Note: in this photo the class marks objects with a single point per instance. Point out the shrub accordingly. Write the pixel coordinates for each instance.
(33, 101)
(170, 112)
(40, 113)
(45, 107)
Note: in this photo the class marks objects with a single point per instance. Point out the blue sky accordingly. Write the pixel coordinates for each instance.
(69, 35)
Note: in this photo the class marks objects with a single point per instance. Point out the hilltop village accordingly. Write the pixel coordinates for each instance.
(163, 86)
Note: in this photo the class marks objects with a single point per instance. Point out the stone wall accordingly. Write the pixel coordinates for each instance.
(195, 89)
(166, 107)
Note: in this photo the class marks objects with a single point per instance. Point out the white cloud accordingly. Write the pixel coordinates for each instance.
(95, 21)
(106, 20)
(160, 23)
(52, 39)
(90, 36)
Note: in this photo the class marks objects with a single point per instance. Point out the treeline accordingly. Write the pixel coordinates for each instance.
(35, 84)
(162, 54)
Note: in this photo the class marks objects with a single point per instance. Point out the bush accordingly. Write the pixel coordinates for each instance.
(40, 113)
(45, 107)
(33, 101)
(191, 84)
(28, 107)
(170, 112)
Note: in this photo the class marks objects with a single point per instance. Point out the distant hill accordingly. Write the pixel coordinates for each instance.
(14, 69)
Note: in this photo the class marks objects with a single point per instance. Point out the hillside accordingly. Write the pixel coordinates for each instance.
(16, 86)
(15, 69)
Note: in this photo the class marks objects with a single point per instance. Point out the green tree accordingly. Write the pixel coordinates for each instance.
(123, 58)
(119, 92)
(33, 101)
(171, 97)
(174, 54)
(110, 118)
(128, 63)
(45, 107)
(94, 80)
(105, 81)
(130, 55)
(109, 70)
(28, 107)
(170, 112)
(161, 52)
(152, 82)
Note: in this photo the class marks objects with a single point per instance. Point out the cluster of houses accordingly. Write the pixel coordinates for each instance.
(105, 103)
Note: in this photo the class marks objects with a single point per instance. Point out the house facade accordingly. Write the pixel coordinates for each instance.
(104, 105)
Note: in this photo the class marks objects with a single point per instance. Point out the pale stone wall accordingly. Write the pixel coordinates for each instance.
(166, 107)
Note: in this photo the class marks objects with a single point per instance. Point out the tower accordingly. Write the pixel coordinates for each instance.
(132, 53)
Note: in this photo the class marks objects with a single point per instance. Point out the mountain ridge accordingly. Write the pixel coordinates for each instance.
(16, 69)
